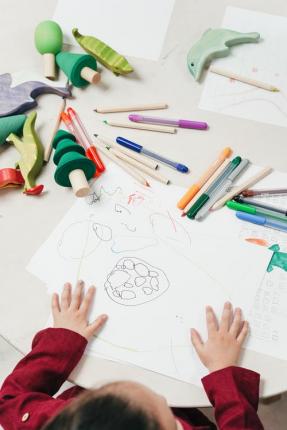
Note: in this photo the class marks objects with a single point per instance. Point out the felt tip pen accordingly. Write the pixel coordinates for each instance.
(263, 221)
(140, 149)
(201, 201)
(182, 123)
(222, 188)
(85, 141)
(260, 204)
(231, 204)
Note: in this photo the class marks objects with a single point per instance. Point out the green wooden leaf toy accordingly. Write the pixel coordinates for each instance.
(31, 154)
(215, 43)
(11, 124)
(106, 55)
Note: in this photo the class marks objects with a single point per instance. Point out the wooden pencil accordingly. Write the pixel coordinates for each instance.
(151, 172)
(244, 79)
(149, 162)
(131, 108)
(148, 127)
(129, 170)
(49, 147)
(238, 189)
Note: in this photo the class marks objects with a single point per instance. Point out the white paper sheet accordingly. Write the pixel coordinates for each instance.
(154, 270)
(130, 27)
(265, 61)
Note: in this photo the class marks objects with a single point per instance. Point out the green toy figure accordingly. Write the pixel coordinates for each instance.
(32, 155)
(11, 124)
(49, 42)
(106, 55)
(215, 43)
(81, 69)
(74, 169)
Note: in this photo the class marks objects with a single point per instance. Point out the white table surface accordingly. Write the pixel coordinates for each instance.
(26, 221)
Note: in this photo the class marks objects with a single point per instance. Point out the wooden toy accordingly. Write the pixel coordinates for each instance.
(215, 43)
(19, 99)
(79, 68)
(74, 169)
(10, 178)
(105, 55)
(32, 154)
(49, 41)
(11, 124)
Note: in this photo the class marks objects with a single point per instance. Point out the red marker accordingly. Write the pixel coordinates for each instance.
(84, 139)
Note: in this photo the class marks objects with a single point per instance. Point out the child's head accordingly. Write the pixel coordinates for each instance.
(119, 405)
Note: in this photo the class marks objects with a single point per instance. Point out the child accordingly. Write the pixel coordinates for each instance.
(26, 400)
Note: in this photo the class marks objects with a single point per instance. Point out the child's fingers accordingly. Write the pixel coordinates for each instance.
(243, 333)
(96, 326)
(225, 317)
(87, 300)
(77, 296)
(55, 304)
(196, 340)
(211, 321)
(236, 323)
(66, 296)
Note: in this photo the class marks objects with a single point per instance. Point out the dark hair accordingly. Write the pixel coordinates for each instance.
(92, 411)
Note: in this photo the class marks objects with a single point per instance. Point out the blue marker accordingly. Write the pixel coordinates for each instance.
(138, 148)
(261, 220)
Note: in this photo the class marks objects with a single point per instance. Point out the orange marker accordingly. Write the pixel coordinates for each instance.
(193, 190)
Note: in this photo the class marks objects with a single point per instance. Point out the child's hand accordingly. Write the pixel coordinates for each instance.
(73, 311)
(222, 348)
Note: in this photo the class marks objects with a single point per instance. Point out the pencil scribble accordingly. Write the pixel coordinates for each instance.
(133, 282)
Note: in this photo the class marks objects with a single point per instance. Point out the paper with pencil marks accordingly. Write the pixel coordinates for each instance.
(154, 271)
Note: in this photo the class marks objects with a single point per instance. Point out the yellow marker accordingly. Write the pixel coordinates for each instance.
(194, 189)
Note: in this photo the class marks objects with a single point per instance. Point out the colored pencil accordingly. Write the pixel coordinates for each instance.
(237, 190)
(148, 127)
(141, 167)
(262, 193)
(244, 79)
(129, 170)
(49, 147)
(194, 189)
(136, 156)
(131, 108)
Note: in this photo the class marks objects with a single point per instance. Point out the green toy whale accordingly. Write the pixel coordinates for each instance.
(215, 43)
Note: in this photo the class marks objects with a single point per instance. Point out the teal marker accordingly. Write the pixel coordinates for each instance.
(255, 211)
(200, 202)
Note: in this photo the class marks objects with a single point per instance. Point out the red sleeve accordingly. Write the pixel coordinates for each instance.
(26, 400)
(234, 393)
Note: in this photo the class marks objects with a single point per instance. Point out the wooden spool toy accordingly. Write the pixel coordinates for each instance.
(11, 124)
(74, 169)
(49, 42)
(81, 69)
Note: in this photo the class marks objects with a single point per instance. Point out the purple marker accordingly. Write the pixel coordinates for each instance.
(183, 123)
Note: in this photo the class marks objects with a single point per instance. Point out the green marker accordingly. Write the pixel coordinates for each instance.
(200, 202)
(254, 211)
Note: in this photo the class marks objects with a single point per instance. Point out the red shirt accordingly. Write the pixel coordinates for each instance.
(27, 402)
